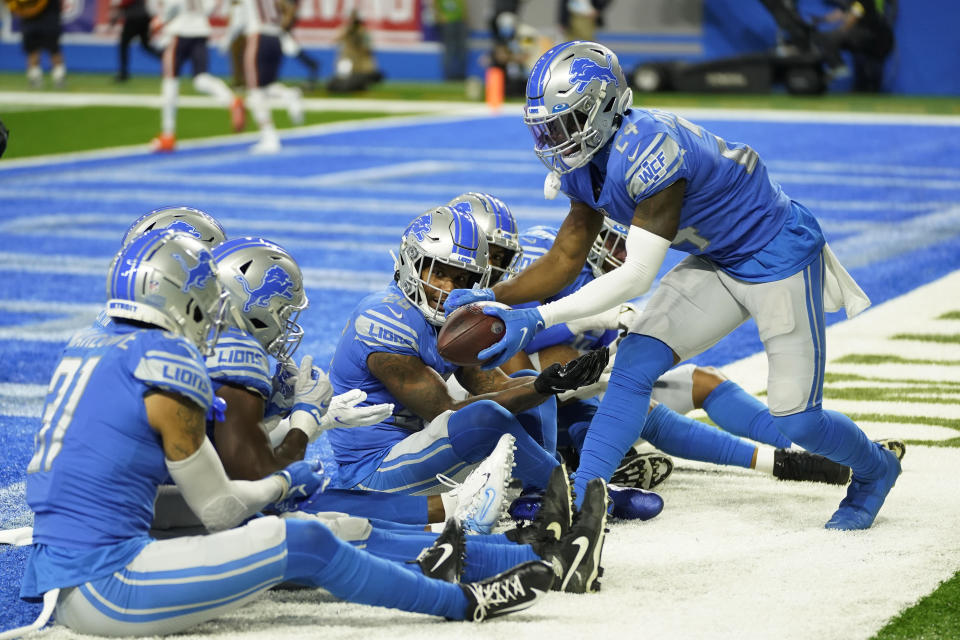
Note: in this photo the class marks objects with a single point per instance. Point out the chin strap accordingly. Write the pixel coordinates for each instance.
(49, 602)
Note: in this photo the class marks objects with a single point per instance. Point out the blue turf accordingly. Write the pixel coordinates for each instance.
(884, 193)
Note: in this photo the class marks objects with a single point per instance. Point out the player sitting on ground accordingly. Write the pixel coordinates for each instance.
(127, 407)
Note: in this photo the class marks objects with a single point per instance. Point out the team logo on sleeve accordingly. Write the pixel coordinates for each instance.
(276, 282)
(583, 71)
(419, 227)
(184, 227)
(198, 275)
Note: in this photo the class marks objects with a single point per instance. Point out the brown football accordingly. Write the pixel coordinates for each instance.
(468, 331)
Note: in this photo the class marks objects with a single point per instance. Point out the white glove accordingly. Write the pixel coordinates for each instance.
(344, 412)
(311, 398)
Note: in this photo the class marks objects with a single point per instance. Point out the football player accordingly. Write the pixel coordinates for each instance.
(126, 407)
(389, 349)
(186, 27)
(754, 252)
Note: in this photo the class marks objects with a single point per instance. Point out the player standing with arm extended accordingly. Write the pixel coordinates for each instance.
(754, 253)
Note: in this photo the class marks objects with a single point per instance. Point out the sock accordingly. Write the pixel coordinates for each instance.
(736, 411)
(214, 86)
(370, 504)
(836, 437)
(398, 546)
(684, 437)
(59, 72)
(540, 421)
(575, 417)
(259, 107)
(619, 420)
(764, 460)
(484, 559)
(170, 89)
(35, 74)
(317, 558)
(475, 429)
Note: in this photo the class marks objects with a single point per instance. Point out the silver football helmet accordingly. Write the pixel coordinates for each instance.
(194, 222)
(266, 290)
(441, 236)
(576, 97)
(169, 279)
(609, 248)
(497, 222)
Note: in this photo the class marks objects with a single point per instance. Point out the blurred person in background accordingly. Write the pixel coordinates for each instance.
(452, 22)
(580, 19)
(291, 47)
(356, 67)
(136, 24)
(41, 29)
(864, 28)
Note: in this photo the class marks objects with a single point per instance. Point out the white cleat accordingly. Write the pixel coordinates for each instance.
(266, 146)
(482, 496)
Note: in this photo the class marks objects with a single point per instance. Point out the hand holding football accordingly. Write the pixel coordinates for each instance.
(468, 331)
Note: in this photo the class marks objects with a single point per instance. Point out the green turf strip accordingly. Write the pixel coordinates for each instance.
(870, 358)
(852, 377)
(934, 421)
(874, 394)
(946, 338)
(949, 315)
(82, 128)
(935, 617)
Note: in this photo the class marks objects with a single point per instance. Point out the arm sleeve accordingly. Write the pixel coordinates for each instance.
(219, 502)
(645, 254)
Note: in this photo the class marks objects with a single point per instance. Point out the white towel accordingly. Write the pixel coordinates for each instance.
(840, 290)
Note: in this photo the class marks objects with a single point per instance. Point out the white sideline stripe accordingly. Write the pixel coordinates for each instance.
(47, 306)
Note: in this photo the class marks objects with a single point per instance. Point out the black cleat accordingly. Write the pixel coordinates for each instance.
(444, 559)
(897, 446)
(642, 470)
(792, 464)
(555, 515)
(576, 557)
(512, 590)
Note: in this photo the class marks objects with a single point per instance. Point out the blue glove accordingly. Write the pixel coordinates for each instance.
(521, 326)
(218, 410)
(302, 480)
(460, 297)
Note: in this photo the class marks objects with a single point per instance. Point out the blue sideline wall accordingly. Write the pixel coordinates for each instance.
(926, 59)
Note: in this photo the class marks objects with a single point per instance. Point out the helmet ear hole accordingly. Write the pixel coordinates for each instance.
(245, 266)
(258, 323)
(610, 103)
(197, 314)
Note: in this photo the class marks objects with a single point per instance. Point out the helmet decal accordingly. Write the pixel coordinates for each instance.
(583, 71)
(462, 207)
(198, 275)
(276, 282)
(184, 227)
(419, 227)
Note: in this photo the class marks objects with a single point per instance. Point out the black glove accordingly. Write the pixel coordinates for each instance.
(575, 374)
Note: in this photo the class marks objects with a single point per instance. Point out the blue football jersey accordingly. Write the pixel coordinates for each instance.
(97, 463)
(239, 360)
(732, 213)
(382, 322)
(535, 242)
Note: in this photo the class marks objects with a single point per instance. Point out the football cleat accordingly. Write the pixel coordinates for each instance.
(513, 590)
(897, 446)
(164, 143)
(525, 507)
(864, 499)
(642, 470)
(576, 557)
(630, 503)
(268, 144)
(444, 559)
(238, 114)
(481, 497)
(554, 517)
(793, 464)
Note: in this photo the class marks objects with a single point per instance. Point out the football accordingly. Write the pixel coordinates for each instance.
(468, 331)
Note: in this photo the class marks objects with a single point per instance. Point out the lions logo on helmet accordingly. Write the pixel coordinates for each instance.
(276, 282)
(194, 222)
(567, 134)
(198, 274)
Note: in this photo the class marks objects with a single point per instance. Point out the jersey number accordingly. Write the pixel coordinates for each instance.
(67, 385)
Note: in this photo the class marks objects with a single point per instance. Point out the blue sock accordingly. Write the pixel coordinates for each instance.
(317, 558)
(575, 417)
(485, 560)
(834, 436)
(540, 421)
(475, 429)
(370, 504)
(684, 437)
(619, 420)
(396, 545)
(738, 412)
(390, 525)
